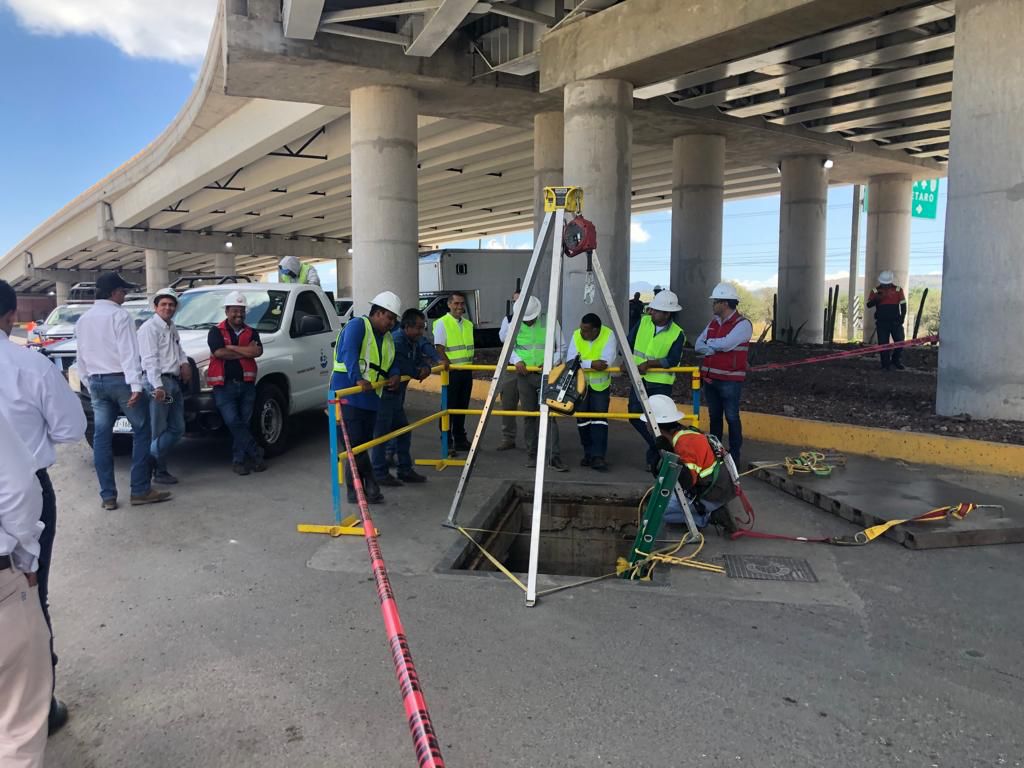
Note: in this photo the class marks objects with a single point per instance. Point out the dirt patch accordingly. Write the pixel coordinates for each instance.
(850, 391)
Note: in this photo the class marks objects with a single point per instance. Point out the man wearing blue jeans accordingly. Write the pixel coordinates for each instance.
(167, 371)
(108, 360)
(414, 356)
(723, 349)
(234, 347)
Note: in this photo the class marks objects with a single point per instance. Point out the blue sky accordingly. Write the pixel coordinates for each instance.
(81, 104)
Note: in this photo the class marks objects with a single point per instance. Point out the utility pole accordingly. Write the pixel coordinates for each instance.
(854, 247)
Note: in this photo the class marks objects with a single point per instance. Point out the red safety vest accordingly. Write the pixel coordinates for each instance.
(215, 373)
(725, 366)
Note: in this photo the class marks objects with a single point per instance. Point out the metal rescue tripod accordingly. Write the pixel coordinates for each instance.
(557, 202)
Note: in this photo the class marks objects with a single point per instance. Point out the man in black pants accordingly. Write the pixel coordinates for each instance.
(890, 313)
(453, 338)
(43, 411)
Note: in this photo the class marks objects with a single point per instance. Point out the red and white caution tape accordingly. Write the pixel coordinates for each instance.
(847, 353)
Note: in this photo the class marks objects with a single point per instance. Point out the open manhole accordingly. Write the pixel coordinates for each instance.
(768, 568)
(584, 529)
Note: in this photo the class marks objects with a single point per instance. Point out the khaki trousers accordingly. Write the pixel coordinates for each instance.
(26, 674)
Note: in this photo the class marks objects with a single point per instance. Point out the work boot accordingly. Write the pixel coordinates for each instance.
(724, 520)
(110, 503)
(557, 465)
(372, 492)
(152, 496)
(586, 461)
(507, 445)
(462, 444)
(411, 476)
(164, 477)
(899, 366)
(388, 480)
(599, 464)
(256, 464)
(240, 468)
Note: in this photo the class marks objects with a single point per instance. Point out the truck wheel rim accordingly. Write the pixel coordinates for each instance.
(270, 421)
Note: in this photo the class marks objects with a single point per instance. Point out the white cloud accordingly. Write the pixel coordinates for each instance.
(152, 29)
(754, 285)
(837, 276)
(637, 233)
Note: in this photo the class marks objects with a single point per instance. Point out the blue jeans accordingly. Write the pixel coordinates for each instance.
(723, 397)
(235, 401)
(391, 416)
(167, 420)
(594, 432)
(109, 393)
(653, 456)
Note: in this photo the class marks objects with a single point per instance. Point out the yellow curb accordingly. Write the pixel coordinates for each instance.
(913, 447)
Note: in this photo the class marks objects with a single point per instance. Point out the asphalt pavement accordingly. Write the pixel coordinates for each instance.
(206, 632)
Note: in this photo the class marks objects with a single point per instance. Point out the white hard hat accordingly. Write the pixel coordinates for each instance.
(290, 264)
(165, 293)
(665, 410)
(665, 301)
(533, 308)
(235, 299)
(724, 291)
(388, 300)
(887, 277)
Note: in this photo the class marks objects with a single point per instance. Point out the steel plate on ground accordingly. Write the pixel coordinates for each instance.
(768, 568)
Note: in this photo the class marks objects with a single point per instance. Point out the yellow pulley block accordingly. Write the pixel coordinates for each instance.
(563, 198)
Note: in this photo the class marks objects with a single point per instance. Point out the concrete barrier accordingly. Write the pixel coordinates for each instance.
(913, 447)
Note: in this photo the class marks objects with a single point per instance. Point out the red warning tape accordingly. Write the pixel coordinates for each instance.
(847, 353)
(424, 738)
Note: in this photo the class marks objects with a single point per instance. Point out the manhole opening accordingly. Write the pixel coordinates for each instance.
(581, 535)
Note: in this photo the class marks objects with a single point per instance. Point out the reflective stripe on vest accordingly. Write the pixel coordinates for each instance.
(725, 366)
(598, 381)
(701, 472)
(651, 346)
(530, 343)
(371, 367)
(215, 371)
(459, 338)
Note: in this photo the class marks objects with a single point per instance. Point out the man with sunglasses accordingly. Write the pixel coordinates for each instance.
(168, 374)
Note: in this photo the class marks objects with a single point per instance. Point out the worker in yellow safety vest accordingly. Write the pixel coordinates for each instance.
(529, 353)
(453, 339)
(657, 342)
(363, 357)
(594, 344)
(291, 270)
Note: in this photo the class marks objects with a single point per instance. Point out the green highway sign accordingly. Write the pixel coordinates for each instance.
(925, 199)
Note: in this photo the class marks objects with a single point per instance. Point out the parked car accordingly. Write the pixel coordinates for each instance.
(63, 350)
(58, 325)
(299, 328)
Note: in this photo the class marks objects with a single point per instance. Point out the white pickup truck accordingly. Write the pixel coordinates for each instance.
(298, 326)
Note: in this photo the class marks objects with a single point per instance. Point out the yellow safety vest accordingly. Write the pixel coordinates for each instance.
(371, 366)
(651, 346)
(530, 343)
(598, 381)
(458, 338)
(303, 274)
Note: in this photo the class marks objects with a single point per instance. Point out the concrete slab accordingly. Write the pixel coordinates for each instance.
(870, 491)
(207, 632)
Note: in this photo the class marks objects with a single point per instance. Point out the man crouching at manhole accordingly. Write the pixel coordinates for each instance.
(364, 356)
(705, 480)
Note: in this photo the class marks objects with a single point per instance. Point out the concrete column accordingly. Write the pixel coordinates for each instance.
(598, 157)
(384, 194)
(224, 263)
(344, 271)
(156, 270)
(698, 185)
(548, 150)
(888, 242)
(802, 248)
(61, 289)
(980, 367)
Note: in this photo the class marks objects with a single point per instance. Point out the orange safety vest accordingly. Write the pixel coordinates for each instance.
(215, 373)
(725, 366)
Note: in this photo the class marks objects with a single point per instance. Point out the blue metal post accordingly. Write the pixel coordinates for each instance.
(445, 422)
(332, 409)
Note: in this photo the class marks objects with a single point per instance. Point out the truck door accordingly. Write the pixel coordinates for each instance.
(311, 337)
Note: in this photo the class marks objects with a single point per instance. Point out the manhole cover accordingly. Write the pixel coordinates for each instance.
(767, 568)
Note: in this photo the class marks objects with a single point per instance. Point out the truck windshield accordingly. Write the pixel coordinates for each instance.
(205, 309)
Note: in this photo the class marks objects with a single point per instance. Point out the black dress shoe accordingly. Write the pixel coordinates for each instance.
(58, 716)
(412, 476)
(389, 481)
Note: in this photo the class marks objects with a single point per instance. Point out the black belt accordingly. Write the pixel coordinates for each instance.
(5, 562)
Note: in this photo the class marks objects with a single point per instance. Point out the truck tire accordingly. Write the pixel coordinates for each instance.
(270, 419)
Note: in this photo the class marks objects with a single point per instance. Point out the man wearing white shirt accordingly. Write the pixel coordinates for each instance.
(108, 360)
(42, 411)
(167, 370)
(26, 677)
(595, 345)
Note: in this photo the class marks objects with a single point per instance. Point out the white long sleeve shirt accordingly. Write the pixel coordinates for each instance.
(740, 334)
(21, 501)
(559, 354)
(160, 349)
(37, 402)
(107, 343)
(608, 354)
